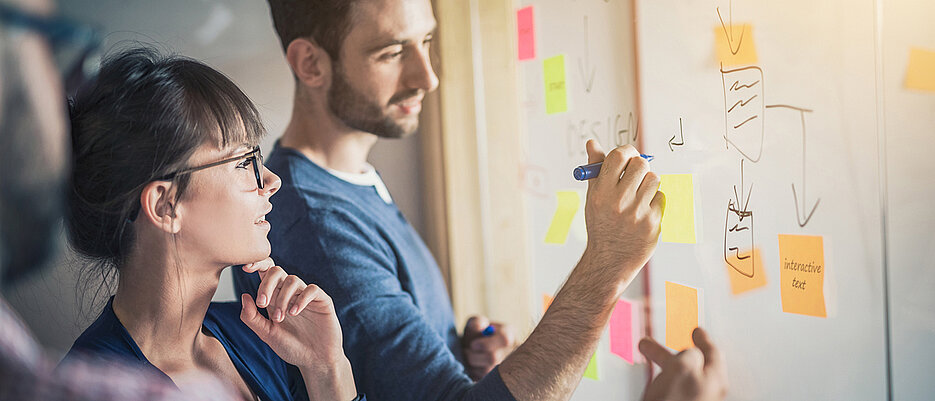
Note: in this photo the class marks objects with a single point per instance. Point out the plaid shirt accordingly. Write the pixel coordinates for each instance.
(26, 374)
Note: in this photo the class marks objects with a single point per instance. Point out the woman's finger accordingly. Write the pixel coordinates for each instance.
(323, 303)
(260, 266)
(269, 283)
(287, 291)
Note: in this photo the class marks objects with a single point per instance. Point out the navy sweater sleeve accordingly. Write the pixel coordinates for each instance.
(394, 352)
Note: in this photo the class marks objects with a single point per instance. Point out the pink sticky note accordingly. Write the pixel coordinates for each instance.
(526, 34)
(621, 331)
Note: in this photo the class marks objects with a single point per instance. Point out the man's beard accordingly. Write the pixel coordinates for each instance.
(360, 113)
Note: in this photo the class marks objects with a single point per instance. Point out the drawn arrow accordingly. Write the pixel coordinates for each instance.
(588, 79)
(729, 29)
(681, 136)
(802, 214)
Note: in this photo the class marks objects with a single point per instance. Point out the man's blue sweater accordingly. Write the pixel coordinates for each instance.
(397, 320)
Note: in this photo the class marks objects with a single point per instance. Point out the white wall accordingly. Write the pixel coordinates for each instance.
(237, 38)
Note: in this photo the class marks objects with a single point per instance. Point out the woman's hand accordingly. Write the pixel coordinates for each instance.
(302, 329)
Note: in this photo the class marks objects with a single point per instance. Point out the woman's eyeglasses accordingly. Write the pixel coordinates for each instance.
(72, 43)
(253, 157)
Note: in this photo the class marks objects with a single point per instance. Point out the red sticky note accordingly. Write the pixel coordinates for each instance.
(525, 33)
(621, 331)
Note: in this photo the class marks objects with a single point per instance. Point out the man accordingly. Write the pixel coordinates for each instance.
(362, 68)
(33, 135)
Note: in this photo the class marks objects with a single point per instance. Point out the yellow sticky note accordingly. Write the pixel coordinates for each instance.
(556, 94)
(734, 45)
(678, 219)
(546, 302)
(681, 315)
(568, 202)
(921, 71)
(802, 274)
(591, 371)
(745, 271)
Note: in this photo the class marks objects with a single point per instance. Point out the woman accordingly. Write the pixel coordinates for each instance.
(169, 189)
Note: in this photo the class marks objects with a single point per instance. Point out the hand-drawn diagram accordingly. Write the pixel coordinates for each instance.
(680, 135)
(587, 71)
(738, 231)
(745, 115)
(802, 215)
(743, 110)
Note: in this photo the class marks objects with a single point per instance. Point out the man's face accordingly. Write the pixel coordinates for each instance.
(384, 69)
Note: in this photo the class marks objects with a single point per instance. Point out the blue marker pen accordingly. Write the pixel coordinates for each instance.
(489, 331)
(589, 171)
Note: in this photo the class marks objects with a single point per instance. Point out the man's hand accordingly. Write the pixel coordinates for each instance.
(695, 374)
(482, 353)
(623, 213)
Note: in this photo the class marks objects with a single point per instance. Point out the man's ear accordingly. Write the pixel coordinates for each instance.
(310, 63)
(158, 206)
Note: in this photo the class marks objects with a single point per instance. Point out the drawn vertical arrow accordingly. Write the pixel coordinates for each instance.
(802, 214)
(729, 28)
(681, 140)
(587, 78)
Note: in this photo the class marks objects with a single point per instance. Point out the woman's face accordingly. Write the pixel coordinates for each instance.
(223, 213)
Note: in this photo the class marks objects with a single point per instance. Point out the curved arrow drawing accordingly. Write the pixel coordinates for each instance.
(681, 136)
(802, 214)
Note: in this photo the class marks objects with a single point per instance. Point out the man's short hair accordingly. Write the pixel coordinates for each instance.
(326, 22)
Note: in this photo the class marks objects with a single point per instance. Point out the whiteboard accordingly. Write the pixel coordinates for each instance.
(832, 146)
(813, 172)
(596, 39)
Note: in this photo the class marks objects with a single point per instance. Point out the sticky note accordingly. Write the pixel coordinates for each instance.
(921, 71)
(734, 45)
(556, 95)
(802, 274)
(591, 371)
(678, 219)
(546, 302)
(525, 33)
(568, 202)
(621, 330)
(681, 315)
(745, 271)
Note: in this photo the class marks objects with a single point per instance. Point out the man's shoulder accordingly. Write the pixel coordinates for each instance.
(308, 189)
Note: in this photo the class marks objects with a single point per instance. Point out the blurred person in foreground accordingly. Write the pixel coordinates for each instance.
(33, 136)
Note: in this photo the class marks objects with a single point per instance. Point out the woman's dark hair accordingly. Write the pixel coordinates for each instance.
(142, 118)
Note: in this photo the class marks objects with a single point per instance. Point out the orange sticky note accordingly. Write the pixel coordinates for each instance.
(525, 33)
(920, 74)
(734, 45)
(546, 302)
(681, 315)
(745, 271)
(802, 274)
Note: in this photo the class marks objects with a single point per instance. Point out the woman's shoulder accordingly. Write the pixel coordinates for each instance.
(106, 337)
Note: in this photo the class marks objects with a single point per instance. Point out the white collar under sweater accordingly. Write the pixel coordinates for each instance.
(366, 179)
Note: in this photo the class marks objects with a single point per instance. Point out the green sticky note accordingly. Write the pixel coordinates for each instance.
(556, 94)
(678, 220)
(568, 202)
(591, 371)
